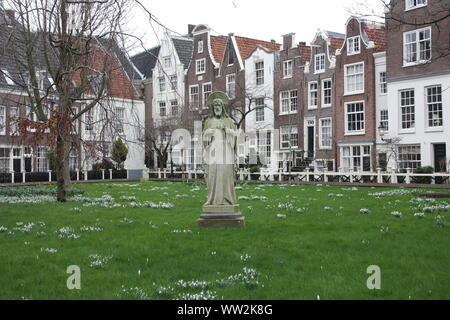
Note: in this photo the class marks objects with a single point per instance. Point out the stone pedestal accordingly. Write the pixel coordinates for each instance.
(223, 216)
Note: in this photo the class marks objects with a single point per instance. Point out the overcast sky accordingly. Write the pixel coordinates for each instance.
(260, 19)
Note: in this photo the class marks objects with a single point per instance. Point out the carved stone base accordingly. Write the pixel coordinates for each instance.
(221, 216)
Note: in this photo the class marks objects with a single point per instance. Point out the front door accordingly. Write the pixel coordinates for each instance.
(16, 165)
(440, 158)
(310, 142)
(28, 164)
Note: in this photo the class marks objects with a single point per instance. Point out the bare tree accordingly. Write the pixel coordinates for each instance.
(63, 53)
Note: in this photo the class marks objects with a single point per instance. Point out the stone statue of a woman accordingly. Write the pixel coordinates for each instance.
(219, 159)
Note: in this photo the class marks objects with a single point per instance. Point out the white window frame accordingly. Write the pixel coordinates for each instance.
(259, 110)
(412, 127)
(403, 163)
(438, 108)
(287, 69)
(200, 66)
(416, 42)
(162, 84)
(191, 102)
(259, 73)
(328, 105)
(173, 82)
(312, 92)
(346, 114)
(382, 82)
(285, 132)
(5, 159)
(162, 105)
(321, 134)
(409, 4)
(351, 45)
(384, 118)
(319, 61)
(174, 106)
(120, 122)
(352, 156)
(346, 92)
(2, 120)
(200, 46)
(230, 85)
(167, 62)
(13, 123)
(289, 100)
(42, 159)
(205, 94)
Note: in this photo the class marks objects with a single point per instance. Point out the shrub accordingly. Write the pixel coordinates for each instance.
(426, 169)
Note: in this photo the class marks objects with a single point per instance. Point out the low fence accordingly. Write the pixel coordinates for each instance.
(379, 177)
(79, 175)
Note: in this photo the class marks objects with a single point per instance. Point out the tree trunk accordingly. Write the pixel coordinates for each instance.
(61, 157)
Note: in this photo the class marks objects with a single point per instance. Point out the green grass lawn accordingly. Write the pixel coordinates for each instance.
(300, 242)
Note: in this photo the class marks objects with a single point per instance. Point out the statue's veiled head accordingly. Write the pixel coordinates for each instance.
(218, 104)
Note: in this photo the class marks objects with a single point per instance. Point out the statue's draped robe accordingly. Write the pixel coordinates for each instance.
(219, 138)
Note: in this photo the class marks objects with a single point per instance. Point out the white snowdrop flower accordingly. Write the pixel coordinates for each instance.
(327, 208)
(3, 229)
(49, 250)
(419, 215)
(281, 216)
(397, 214)
(364, 210)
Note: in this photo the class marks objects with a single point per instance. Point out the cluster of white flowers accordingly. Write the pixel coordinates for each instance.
(281, 216)
(193, 284)
(40, 234)
(159, 188)
(134, 293)
(106, 201)
(76, 209)
(396, 192)
(3, 229)
(397, 214)
(90, 229)
(128, 198)
(66, 233)
(49, 250)
(207, 295)
(245, 257)
(27, 199)
(438, 207)
(150, 204)
(421, 201)
(384, 229)
(350, 189)
(99, 261)
(24, 227)
(179, 196)
(364, 210)
(126, 220)
(247, 276)
(124, 185)
(419, 215)
(253, 197)
(285, 206)
(327, 208)
(181, 231)
(440, 221)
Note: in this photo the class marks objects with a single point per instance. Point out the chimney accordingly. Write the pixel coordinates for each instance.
(288, 41)
(272, 40)
(303, 43)
(190, 29)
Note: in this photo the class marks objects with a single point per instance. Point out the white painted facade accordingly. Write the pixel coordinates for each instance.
(422, 134)
(263, 119)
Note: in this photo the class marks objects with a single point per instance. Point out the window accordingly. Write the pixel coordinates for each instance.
(264, 146)
(4, 160)
(407, 111)
(354, 78)
(319, 65)
(409, 157)
(434, 106)
(173, 82)
(417, 46)
(357, 158)
(167, 62)
(384, 119)
(294, 137)
(353, 46)
(120, 119)
(312, 95)
(325, 133)
(326, 93)
(413, 4)
(288, 101)
(174, 107)
(285, 137)
(231, 86)
(259, 70)
(73, 159)
(287, 69)
(259, 109)
(382, 82)
(2, 120)
(207, 88)
(14, 116)
(162, 84)
(193, 97)
(89, 120)
(200, 46)
(200, 66)
(8, 78)
(42, 159)
(354, 114)
(162, 108)
(230, 57)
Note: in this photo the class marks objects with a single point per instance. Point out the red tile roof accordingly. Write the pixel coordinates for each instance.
(218, 45)
(247, 45)
(376, 33)
(335, 44)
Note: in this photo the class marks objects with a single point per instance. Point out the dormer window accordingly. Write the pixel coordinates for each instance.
(319, 63)
(413, 4)
(230, 57)
(200, 46)
(167, 62)
(353, 45)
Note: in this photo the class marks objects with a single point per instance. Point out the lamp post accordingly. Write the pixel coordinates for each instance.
(382, 131)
